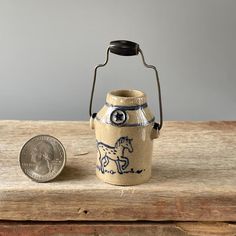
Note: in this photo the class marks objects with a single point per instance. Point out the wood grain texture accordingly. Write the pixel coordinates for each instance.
(194, 176)
(115, 229)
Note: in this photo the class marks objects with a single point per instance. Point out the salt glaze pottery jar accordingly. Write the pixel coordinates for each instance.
(125, 128)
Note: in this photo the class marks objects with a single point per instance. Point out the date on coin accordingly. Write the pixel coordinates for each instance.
(42, 158)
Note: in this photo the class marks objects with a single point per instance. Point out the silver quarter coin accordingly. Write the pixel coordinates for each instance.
(42, 158)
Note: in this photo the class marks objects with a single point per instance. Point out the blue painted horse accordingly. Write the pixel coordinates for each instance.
(108, 153)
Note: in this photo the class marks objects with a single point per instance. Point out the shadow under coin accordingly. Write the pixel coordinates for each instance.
(69, 173)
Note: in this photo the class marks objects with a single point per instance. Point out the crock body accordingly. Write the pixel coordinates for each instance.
(124, 134)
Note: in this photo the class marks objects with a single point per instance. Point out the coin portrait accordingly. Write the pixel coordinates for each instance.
(42, 158)
(42, 155)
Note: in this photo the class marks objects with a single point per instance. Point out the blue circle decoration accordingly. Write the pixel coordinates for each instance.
(118, 117)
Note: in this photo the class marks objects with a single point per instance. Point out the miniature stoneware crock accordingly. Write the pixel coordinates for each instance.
(125, 128)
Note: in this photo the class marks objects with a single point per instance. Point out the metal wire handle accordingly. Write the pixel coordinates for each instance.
(127, 48)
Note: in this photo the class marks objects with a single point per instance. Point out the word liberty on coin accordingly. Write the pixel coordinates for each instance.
(42, 158)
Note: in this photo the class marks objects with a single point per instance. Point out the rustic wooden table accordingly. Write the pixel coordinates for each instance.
(192, 190)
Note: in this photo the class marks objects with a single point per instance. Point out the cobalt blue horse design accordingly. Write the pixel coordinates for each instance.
(117, 154)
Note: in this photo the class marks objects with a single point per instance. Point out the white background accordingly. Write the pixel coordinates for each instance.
(48, 50)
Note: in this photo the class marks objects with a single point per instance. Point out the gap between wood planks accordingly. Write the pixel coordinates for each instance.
(166, 228)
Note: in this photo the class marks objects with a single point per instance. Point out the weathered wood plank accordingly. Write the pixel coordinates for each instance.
(113, 229)
(194, 176)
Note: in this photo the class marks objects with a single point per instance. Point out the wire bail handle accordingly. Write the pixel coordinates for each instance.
(127, 48)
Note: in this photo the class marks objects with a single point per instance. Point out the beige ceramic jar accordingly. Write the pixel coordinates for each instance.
(125, 127)
(124, 132)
